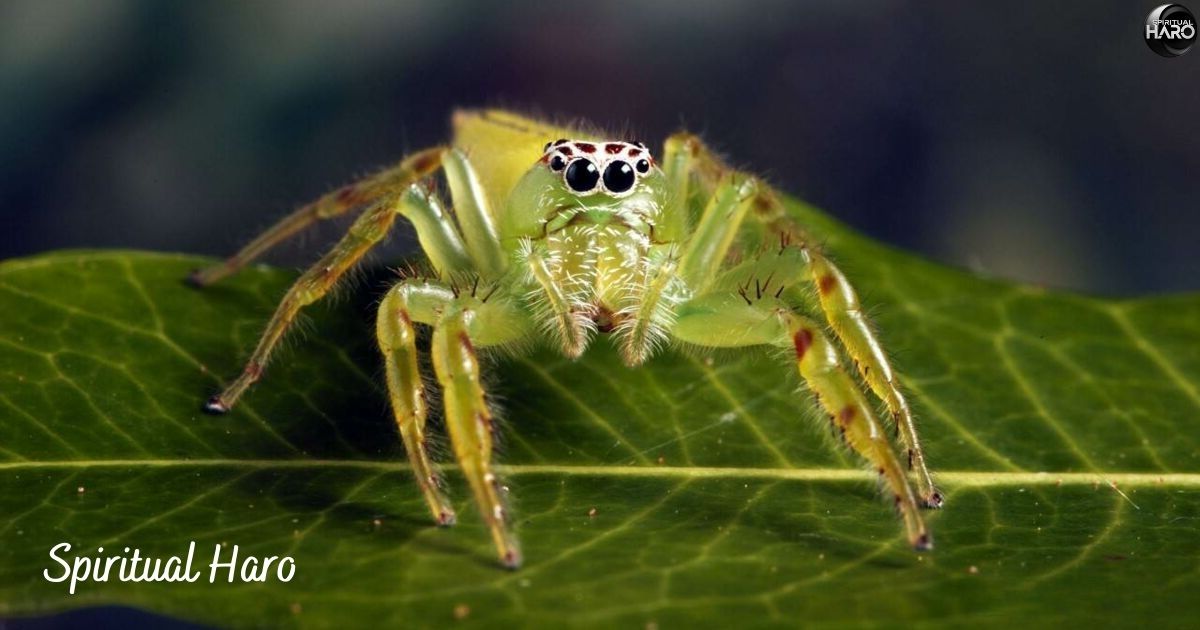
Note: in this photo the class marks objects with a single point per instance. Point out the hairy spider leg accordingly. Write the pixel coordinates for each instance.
(840, 396)
(470, 425)
(842, 310)
(687, 160)
(571, 328)
(645, 325)
(406, 389)
(433, 229)
(726, 319)
(491, 319)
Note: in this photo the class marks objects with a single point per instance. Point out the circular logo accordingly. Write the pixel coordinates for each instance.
(1170, 30)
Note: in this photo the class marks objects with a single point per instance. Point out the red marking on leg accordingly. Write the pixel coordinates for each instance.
(846, 415)
(348, 195)
(803, 341)
(826, 283)
(465, 340)
(763, 205)
(426, 162)
(253, 370)
(485, 420)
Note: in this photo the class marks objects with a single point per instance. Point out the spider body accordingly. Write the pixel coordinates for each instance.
(593, 236)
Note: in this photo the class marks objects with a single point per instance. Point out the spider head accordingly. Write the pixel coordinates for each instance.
(580, 181)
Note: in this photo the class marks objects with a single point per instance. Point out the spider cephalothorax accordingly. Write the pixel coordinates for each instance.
(591, 237)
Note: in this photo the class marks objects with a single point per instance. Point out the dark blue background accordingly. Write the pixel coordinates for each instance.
(1041, 141)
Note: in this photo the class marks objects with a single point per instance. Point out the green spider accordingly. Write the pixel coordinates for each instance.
(595, 237)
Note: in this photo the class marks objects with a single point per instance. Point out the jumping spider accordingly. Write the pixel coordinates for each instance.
(597, 236)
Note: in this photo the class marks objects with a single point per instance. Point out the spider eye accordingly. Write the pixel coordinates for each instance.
(643, 165)
(557, 163)
(618, 176)
(582, 175)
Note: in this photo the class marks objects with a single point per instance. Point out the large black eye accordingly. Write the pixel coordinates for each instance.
(618, 177)
(582, 175)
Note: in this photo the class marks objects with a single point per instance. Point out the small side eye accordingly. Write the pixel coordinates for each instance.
(582, 175)
(557, 163)
(642, 165)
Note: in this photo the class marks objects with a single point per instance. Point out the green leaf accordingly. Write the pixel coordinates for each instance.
(1065, 429)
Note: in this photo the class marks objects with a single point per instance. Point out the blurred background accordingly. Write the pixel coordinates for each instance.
(1040, 141)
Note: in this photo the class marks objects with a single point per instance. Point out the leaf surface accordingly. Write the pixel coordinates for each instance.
(694, 491)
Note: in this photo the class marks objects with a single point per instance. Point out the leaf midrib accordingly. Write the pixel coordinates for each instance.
(959, 478)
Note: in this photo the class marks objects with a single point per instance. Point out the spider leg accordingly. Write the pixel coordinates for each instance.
(435, 230)
(334, 204)
(687, 161)
(367, 231)
(839, 302)
(474, 214)
(707, 249)
(645, 324)
(496, 320)
(470, 424)
(847, 407)
(571, 327)
(692, 169)
(725, 320)
(397, 338)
